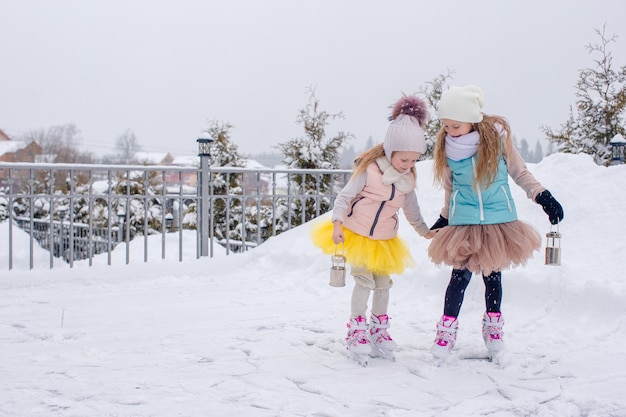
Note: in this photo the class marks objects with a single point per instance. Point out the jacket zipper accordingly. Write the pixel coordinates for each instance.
(376, 218)
(453, 209)
(380, 209)
(508, 200)
(352, 206)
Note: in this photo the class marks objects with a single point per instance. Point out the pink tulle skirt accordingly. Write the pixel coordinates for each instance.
(485, 248)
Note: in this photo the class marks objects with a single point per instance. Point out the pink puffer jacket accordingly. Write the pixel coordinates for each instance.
(373, 212)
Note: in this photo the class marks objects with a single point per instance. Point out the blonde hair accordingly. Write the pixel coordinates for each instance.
(362, 161)
(490, 148)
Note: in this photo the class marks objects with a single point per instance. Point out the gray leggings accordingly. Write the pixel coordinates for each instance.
(364, 283)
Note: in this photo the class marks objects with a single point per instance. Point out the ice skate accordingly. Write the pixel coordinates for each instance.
(357, 342)
(445, 338)
(493, 335)
(383, 345)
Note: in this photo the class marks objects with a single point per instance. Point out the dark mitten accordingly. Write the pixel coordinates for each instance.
(441, 222)
(552, 207)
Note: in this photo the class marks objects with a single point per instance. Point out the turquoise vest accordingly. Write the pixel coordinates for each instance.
(477, 206)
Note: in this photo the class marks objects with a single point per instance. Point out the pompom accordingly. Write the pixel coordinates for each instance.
(411, 106)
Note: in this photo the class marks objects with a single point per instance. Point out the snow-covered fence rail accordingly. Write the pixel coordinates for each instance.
(80, 211)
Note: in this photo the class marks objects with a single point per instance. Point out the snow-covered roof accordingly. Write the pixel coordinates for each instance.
(151, 157)
(251, 163)
(618, 139)
(186, 160)
(3, 136)
(10, 146)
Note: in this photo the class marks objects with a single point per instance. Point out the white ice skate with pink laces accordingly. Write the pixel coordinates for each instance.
(445, 338)
(357, 342)
(383, 345)
(493, 335)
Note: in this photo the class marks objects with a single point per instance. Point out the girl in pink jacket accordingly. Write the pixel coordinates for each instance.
(365, 220)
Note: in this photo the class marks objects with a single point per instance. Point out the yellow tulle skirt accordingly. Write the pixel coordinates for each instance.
(382, 257)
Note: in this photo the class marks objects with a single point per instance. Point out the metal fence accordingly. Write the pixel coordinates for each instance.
(80, 211)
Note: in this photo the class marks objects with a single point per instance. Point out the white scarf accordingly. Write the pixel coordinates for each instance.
(402, 180)
(463, 146)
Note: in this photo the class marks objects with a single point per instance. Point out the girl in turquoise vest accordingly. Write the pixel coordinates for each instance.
(478, 229)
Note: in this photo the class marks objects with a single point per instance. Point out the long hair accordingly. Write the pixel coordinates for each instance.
(362, 161)
(490, 148)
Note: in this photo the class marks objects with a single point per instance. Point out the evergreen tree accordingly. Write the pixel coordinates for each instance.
(224, 152)
(369, 144)
(538, 154)
(515, 144)
(142, 214)
(524, 152)
(550, 148)
(599, 111)
(432, 91)
(4, 204)
(347, 157)
(229, 222)
(313, 151)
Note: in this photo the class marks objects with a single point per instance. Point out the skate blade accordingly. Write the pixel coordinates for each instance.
(439, 356)
(361, 359)
(439, 361)
(496, 357)
(383, 354)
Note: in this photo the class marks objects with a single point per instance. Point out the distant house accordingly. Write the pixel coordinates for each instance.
(17, 150)
(154, 158)
(186, 178)
(253, 184)
(167, 159)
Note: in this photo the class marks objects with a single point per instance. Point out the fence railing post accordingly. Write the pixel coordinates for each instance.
(204, 152)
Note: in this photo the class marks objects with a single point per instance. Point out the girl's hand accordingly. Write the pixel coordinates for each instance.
(338, 236)
(553, 208)
(431, 234)
(441, 222)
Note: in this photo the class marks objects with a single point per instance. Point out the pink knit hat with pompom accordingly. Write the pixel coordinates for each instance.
(406, 130)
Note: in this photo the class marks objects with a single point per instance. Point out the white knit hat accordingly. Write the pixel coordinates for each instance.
(462, 104)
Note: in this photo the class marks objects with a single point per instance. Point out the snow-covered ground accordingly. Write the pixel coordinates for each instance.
(261, 333)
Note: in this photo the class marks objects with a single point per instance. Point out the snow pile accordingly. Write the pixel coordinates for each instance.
(261, 333)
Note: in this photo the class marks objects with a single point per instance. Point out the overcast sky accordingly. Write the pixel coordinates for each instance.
(165, 69)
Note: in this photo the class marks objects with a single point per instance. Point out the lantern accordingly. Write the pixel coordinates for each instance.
(338, 269)
(204, 146)
(553, 247)
(618, 147)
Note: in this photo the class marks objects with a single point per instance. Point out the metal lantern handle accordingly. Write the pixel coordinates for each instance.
(342, 249)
